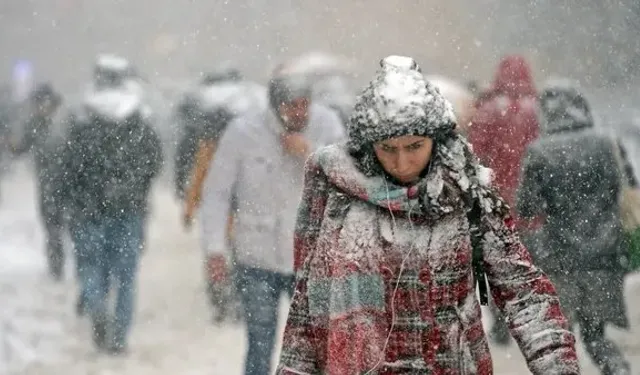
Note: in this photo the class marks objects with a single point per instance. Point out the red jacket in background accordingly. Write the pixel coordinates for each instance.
(505, 123)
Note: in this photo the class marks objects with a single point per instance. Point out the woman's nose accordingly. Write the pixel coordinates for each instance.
(402, 161)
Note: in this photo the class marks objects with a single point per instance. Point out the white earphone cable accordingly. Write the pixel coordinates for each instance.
(399, 277)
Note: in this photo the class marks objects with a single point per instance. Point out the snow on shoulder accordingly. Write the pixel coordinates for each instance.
(114, 104)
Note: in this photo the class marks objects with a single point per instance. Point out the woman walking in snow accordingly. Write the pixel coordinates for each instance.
(386, 273)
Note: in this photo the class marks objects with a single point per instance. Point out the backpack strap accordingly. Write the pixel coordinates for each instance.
(479, 275)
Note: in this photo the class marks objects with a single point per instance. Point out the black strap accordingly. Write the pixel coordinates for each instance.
(476, 247)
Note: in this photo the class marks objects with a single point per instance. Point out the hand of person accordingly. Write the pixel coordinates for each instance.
(295, 144)
(217, 269)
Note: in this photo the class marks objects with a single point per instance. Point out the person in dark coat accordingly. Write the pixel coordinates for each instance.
(572, 177)
(38, 141)
(112, 156)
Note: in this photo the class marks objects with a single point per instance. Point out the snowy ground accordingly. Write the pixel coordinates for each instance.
(39, 333)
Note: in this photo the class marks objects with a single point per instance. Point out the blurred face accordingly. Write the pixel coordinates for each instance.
(44, 107)
(108, 78)
(295, 114)
(404, 157)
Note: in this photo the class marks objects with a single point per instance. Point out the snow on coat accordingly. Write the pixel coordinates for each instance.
(505, 122)
(384, 272)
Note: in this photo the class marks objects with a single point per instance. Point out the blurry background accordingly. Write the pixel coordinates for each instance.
(591, 40)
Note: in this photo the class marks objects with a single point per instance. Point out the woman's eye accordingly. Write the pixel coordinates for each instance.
(415, 146)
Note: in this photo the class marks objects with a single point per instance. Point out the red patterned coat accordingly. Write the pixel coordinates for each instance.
(386, 288)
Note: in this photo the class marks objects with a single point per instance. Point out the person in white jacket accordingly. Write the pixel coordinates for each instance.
(259, 165)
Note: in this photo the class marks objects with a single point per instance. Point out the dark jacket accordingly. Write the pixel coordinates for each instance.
(189, 117)
(572, 177)
(204, 115)
(109, 166)
(45, 149)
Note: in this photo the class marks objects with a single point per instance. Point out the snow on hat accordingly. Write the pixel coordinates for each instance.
(399, 101)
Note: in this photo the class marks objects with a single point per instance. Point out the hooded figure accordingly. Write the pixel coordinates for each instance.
(330, 79)
(257, 174)
(571, 176)
(383, 249)
(223, 97)
(505, 122)
(110, 160)
(203, 114)
(45, 147)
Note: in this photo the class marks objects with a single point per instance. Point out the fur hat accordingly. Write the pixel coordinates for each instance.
(398, 101)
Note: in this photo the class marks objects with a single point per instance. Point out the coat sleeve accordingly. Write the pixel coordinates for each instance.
(528, 299)
(529, 199)
(204, 156)
(629, 175)
(155, 157)
(71, 161)
(183, 159)
(28, 139)
(299, 351)
(219, 191)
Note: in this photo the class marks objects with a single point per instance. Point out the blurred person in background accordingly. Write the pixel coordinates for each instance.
(114, 71)
(219, 103)
(111, 157)
(6, 118)
(45, 148)
(191, 115)
(572, 177)
(330, 77)
(259, 163)
(504, 123)
(112, 76)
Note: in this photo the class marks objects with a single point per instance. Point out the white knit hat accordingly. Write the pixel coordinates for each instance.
(399, 101)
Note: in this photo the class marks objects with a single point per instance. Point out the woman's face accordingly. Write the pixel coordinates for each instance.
(404, 157)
